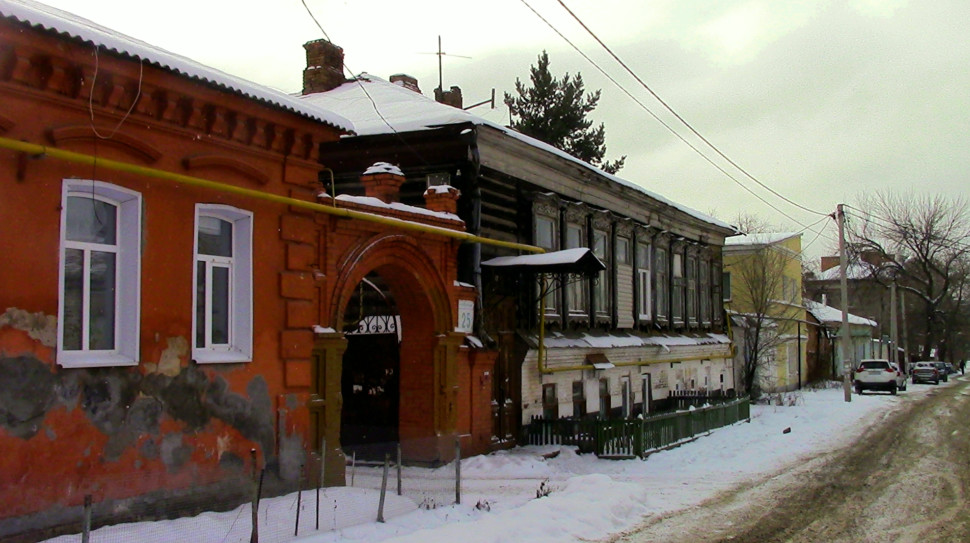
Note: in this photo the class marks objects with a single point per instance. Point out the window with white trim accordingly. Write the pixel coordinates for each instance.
(222, 322)
(100, 275)
(643, 281)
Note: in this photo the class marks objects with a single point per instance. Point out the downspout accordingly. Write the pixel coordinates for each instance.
(80, 158)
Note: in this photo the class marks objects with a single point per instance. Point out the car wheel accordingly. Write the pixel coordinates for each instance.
(892, 389)
(858, 390)
(903, 388)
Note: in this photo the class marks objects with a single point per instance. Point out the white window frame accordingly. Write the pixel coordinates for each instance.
(644, 295)
(127, 300)
(240, 346)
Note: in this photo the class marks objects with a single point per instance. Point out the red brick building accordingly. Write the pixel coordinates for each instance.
(176, 286)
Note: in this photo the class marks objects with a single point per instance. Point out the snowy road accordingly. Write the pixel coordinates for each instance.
(904, 479)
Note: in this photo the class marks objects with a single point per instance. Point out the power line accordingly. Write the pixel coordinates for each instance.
(681, 119)
(658, 119)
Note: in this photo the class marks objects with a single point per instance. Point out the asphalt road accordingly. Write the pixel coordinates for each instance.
(903, 480)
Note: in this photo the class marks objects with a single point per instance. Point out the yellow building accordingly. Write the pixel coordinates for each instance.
(763, 297)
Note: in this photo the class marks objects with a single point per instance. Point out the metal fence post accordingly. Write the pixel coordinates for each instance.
(299, 499)
(86, 531)
(458, 470)
(380, 507)
(399, 468)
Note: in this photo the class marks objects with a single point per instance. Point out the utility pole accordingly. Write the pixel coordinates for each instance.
(902, 309)
(844, 289)
(893, 329)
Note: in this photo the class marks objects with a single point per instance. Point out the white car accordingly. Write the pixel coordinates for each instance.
(901, 378)
(878, 374)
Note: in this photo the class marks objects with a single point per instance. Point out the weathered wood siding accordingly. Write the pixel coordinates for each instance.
(624, 296)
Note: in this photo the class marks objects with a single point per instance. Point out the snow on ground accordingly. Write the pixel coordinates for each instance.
(586, 498)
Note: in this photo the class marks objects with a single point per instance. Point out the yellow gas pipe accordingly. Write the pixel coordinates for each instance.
(80, 158)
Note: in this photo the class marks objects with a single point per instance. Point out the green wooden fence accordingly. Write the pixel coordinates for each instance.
(635, 437)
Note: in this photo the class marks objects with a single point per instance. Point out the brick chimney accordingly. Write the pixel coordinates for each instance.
(442, 198)
(383, 181)
(449, 97)
(324, 66)
(406, 81)
(829, 262)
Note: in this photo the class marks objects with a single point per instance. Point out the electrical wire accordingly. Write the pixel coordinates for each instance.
(681, 119)
(658, 119)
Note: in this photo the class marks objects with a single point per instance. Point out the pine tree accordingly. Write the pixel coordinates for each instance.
(554, 111)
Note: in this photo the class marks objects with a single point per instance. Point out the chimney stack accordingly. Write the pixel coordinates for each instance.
(383, 181)
(324, 66)
(406, 81)
(449, 97)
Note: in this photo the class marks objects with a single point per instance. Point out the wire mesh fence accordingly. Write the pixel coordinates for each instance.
(256, 506)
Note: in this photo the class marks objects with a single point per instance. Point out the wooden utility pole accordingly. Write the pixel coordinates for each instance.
(844, 289)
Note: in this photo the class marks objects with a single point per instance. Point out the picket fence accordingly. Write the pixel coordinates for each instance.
(628, 438)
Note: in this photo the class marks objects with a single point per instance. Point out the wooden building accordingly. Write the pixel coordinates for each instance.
(649, 327)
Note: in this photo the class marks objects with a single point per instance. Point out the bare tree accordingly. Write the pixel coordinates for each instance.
(768, 303)
(920, 243)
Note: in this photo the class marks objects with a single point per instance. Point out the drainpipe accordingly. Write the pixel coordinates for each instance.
(80, 158)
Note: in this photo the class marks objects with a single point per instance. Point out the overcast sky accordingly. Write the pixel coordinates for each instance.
(820, 100)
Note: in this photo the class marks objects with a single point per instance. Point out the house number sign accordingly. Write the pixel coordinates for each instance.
(466, 316)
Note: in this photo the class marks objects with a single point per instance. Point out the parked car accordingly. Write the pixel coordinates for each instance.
(876, 374)
(926, 372)
(944, 374)
(951, 369)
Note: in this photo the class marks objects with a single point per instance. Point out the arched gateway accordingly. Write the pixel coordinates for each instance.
(402, 385)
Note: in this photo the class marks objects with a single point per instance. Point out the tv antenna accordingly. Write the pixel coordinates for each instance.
(441, 54)
(441, 86)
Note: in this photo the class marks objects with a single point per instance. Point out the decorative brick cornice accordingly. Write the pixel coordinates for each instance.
(39, 63)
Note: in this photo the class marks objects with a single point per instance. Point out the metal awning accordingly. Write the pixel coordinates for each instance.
(570, 261)
(599, 361)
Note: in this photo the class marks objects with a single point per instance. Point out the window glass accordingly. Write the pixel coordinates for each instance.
(91, 220)
(545, 233)
(101, 292)
(215, 236)
(726, 286)
(72, 298)
(220, 305)
(622, 250)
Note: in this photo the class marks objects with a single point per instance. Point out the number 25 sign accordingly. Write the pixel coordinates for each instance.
(466, 316)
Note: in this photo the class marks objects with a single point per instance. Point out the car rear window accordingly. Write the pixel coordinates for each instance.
(875, 365)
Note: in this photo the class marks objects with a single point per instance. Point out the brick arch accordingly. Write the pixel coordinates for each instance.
(410, 272)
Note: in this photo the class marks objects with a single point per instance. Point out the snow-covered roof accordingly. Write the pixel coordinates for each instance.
(560, 340)
(578, 260)
(377, 202)
(828, 314)
(70, 25)
(760, 238)
(377, 107)
(852, 271)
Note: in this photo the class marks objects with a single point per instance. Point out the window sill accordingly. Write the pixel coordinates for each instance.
(93, 359)
(220, 357)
